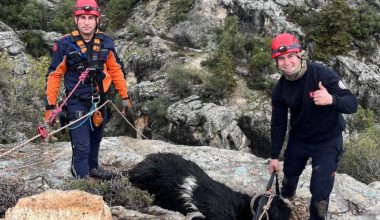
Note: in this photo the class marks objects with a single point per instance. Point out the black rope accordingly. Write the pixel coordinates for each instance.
(264, 198)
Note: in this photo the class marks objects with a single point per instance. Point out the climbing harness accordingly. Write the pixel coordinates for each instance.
(41, 130)
(266, 199)
(75, 36)
(95, 99)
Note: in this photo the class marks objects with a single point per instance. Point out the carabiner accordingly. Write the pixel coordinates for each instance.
(95, 99)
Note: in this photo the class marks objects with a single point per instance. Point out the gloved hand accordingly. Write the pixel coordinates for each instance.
(48, 115)
(126, 102)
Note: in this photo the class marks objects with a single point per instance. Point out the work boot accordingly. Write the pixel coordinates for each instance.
(318, 210)
(289, 186)
(101, 173)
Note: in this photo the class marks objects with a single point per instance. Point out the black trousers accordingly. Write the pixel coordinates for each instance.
(325, 157)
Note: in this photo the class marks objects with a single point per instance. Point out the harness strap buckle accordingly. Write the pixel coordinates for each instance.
(79, 114)
(95, 99)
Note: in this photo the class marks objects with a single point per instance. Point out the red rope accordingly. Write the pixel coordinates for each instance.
(56, 131)
(58, 110)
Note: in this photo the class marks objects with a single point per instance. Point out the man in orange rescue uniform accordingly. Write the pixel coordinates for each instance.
(93, 51)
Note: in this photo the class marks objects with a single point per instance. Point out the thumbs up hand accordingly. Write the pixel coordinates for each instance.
(322, 96)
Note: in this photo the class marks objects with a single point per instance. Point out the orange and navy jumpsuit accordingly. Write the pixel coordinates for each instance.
(68, 62)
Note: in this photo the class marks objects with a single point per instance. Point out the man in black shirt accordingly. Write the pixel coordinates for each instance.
(316, 97)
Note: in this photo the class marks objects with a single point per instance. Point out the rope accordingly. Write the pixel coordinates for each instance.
(122, 115)
(266, 207)
(57, 111)
(71, 123)
(30, 165)
(58, 130)
(53, 132)
(93, 109)
(262, 208)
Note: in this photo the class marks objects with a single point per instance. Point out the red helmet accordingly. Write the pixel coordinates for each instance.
(86, 7)
(285, 43)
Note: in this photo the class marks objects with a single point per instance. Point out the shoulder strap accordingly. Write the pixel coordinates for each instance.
(75, 36)
(97, 41)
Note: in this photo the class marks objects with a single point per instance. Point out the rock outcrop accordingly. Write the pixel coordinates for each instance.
(363, 79)
(63, 205)
(192, 121)
(241, 171)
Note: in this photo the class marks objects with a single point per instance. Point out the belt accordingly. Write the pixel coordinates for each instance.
(76, 114)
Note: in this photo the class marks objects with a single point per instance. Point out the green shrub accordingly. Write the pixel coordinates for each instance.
(117, 12)
(221, 82)
(37, 75)
(178, 10)
(261, 64)
(369, 21)
(328, 45)
(32, 15)
(362, 159)
(362, 120)
(62, 19)
(233, 46)
(301, 15)
(230, 40)
(35, 45)
(23, 14)
(24, 95)
(138, 34)
(6, 66)
(116, 192)
(337, 27)
(157, 120)
(182, 81)
(332, 35)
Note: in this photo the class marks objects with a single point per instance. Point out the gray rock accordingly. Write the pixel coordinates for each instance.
(50, 37)
(197, 32)
(363, 79)
(192, 121)
(10, 42)
(375, 185)
(273, 20)
(241, 171)
(153, 212)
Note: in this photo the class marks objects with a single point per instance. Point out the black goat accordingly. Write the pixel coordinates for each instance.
(181, 185)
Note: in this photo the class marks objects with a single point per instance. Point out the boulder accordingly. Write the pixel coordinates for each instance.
(57, 204)
(198, 123)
